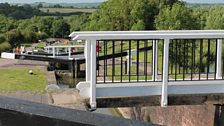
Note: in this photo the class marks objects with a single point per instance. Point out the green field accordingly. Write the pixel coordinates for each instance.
(19, 79)
(66, 10)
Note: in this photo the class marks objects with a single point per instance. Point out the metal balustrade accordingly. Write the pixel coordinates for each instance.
(127, 61)
(188, 62)
(194, 60)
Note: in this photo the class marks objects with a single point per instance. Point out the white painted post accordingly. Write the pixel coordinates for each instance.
(93, 75)
(88, 56)
(128, 64)
(164, 97)
(66, 50)
(219, 59)
(57, 50)
(53, 51)
(69, 52)
(155, 60)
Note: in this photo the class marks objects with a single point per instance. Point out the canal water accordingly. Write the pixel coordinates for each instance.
(69, 82)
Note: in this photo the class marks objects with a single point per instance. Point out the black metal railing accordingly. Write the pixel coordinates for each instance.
(193, 59)
(127, 61)
(133, 60)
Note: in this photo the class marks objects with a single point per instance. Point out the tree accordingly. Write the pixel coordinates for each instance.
(2, 39)
(145, 10)
(15, 38)
(140, 25)
(30, 36)
(40, 5)
(215, 18)
(201, 14)
(177, 17)
(77, 23)
(60, 28)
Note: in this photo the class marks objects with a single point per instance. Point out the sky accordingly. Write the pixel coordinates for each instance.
(92, 1)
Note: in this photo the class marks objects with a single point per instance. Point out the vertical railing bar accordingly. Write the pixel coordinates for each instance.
(176, 60)
(145, 60)
(129, 72)
(201, 53)
(162, 59)
(137, 65)
(184, 60)
(216, 51)
(179, 55)
(104, 64)
(98, 53)
(222, 68)
(153, 59)
(113, 60)
(106, 59)
(187, 56)
(192, 58)
(121, 61)
(172, 58)
(208, 58)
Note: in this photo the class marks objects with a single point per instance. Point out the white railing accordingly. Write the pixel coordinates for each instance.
(163, 88)
(55, 49)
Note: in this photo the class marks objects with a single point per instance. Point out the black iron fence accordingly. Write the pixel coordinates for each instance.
(142, 60)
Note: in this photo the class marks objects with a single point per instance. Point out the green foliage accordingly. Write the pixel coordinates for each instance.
(2, 38)
(177, 17)
(123, 14)
(18, 12)
(78, 23)
(4, 46)
(60, 28)
(140, 25)
(15, 38)
(215, 18)
(201, 14)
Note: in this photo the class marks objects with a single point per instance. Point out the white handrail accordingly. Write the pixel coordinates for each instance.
(92, 37)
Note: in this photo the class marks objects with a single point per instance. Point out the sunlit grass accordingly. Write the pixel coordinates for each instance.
(20, 79)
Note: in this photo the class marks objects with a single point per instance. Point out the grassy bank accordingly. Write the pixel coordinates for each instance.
(20, 79)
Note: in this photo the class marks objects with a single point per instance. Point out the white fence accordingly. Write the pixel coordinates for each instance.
(164, 88)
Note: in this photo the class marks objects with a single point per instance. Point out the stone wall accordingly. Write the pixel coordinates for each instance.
(197, 115)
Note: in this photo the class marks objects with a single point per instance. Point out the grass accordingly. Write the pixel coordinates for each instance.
(117, 73)
(141, 58)
(41, 44)
(19, 79)
(66, 10)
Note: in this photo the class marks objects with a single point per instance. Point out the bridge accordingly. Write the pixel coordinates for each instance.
(184, 66)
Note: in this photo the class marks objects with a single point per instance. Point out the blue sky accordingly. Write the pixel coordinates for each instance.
(91, 1)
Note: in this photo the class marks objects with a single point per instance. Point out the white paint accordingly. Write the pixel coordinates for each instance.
(53, 49)
(8, 55)
(93, 75)
(219, 59)
(69, 52)
(152, 89)
(155, 60)
(151, 36)
(164, 97)
(88, 57)
(74, 34)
